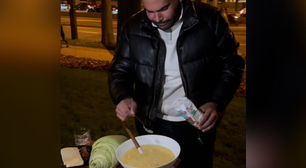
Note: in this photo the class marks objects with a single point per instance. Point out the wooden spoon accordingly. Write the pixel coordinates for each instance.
(133, 138)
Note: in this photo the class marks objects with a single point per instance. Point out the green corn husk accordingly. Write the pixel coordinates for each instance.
(103, 153)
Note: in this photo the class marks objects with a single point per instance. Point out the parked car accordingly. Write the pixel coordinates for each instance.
(232, 19)
(85, 6)
(114, 9)
(243, 12)
(64, 6)
(96, 9)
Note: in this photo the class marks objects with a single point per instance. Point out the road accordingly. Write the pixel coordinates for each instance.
(90, 28)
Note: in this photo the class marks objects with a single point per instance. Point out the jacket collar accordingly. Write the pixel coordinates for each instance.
(180, 20)
(189, 18)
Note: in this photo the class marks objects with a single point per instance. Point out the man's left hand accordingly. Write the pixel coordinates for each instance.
(209, 117)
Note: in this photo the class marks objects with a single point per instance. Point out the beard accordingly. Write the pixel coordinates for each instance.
(164, 25)
(167, 24)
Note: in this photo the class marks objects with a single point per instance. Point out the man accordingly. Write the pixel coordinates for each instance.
(174, 49)
(63, 36)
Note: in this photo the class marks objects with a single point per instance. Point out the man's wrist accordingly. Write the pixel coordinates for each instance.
(217, 104)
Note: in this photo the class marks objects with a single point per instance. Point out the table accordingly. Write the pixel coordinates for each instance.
(176, 164)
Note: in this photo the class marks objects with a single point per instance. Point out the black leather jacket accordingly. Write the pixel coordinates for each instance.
(210, 67)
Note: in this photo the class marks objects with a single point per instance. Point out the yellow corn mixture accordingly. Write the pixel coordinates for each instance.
(153, 156)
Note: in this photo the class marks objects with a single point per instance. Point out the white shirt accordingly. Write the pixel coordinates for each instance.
(173, 87)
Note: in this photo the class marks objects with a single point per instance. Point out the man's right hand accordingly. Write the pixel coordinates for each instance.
(126, 108)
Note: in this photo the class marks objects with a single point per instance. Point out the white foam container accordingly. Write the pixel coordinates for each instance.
(150, 140)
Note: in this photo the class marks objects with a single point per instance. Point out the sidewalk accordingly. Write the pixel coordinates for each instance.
(87, 52)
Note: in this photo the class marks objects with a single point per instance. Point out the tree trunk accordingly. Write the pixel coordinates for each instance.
(126, 8)
(107, 24)
(73, 23)
(215, 3)
(205, 1)
(236, 5)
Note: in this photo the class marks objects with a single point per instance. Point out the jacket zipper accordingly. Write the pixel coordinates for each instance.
(171, 34)
(180, 61)
(182, 76)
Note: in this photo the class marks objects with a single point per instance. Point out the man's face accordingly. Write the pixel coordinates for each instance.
(163, 13)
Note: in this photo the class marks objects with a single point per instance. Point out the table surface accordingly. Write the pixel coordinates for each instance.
(87, 166)
(176, 164)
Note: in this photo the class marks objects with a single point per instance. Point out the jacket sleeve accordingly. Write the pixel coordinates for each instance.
(231, 63)
(120, 78)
